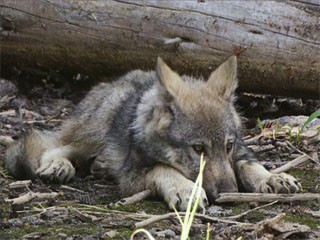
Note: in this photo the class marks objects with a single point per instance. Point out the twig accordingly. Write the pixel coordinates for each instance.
(251, 210)
(42, 121)
(20, 184)
(134, 198)
(42, 210)
(30, 196)
(83, 216)
(64, 187)
(266, 197)
(293, 147)
(273, 220)
(172, 40)
(4, 173)
(303, 153)
(33, 235)
(158, 218)
(101, 211)
(258, 226)
(293, 163)
(254, 140)
(6, 99)
(10, 113)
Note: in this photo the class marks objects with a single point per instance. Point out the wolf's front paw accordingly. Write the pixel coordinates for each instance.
(178, 196)
(280, 183)
(56, 170)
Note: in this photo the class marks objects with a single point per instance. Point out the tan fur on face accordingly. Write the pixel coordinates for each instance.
(201, 98)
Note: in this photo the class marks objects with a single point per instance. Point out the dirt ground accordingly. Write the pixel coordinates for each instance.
(86, 209)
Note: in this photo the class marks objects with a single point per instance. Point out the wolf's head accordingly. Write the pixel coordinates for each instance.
(183, 117)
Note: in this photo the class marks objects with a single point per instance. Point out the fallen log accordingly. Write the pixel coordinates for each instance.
(277, 41)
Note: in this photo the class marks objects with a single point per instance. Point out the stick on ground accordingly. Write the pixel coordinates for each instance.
(266, 197)
(295, 162)
(20, 184)
(135, 198)
(158, 218)
(249, 211)
(64, 187)
(30, 196)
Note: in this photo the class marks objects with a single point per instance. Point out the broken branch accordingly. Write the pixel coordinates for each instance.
(299, 160)
(265, 197)
(20, 184)
(251, 210)
(158, 218)
(134, 198)
(32, 195)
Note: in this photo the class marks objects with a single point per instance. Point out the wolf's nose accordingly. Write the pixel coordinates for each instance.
(212, 195)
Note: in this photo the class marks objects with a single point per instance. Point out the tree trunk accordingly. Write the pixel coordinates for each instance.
(277, 41)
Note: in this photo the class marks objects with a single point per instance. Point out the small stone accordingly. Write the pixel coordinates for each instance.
(110, 234)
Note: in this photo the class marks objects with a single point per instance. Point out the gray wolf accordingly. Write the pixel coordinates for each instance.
(147, 130)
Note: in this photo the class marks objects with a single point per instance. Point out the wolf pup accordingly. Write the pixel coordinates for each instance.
(148, 130)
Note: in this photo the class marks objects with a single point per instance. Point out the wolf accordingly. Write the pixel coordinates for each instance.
(147, 130)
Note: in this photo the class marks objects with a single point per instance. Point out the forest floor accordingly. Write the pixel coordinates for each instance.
(86, 209)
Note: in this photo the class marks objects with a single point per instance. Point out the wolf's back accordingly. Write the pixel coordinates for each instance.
(100, 122)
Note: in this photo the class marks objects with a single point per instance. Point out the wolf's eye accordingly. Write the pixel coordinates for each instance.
(229, 145)
(198, 148)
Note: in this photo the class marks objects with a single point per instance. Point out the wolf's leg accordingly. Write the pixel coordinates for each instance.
(23, 157)
(173, 186)
(55, 166)
(255, 178)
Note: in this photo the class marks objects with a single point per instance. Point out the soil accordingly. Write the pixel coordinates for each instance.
(85, 209)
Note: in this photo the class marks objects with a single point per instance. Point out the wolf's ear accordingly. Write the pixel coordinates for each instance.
(224, 78)
(170, 79)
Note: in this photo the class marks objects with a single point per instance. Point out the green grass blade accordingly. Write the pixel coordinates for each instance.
(260, 124)
(178, 216)
(310, 119)
(196, 194)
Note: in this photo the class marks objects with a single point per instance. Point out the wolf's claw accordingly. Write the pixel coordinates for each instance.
(280, 183)
(179, 196)
(56, 170)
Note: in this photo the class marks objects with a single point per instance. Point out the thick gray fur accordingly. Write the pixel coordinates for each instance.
(148, 130)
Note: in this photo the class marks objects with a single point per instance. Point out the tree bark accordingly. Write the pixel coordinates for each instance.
(277, 42)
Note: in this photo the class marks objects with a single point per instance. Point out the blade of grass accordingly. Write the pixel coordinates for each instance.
(146, 232)
(178, 215)
(260, 124)
(310, 119)
(208, 232)
(196, 192)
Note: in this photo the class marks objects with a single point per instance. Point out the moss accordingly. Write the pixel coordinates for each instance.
(304, 219)
(148, 206)
(308, 179)
(56, 231)
(124, 234)
(239, 208)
